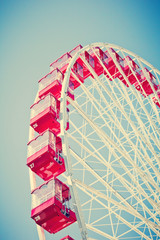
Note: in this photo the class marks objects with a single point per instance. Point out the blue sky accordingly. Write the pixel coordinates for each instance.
(34, 34)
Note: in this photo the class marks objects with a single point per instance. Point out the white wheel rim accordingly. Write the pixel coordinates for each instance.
(144, 216)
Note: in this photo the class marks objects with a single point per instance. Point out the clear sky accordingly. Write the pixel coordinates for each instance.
(33, 34)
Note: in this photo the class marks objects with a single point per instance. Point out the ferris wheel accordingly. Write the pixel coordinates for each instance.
(94, 141)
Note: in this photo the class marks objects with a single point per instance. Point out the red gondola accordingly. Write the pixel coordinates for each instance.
(79, 68)
(94, 62)
(109, 63)
(52, 83)
(146, 80)
(51, 206)
(45, 114)
(44, 155)
(127, 64)
(63, 62)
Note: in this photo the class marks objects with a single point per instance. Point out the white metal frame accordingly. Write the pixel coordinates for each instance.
(116, 149)
(66, 151)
